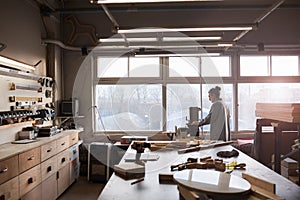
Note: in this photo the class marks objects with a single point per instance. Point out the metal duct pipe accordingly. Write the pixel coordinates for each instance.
(260, 18)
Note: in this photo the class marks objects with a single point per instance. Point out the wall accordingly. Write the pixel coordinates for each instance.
(21, 30)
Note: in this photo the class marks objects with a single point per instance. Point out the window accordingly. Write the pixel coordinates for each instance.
(190, 66)
(112, 67)
(117, 67)
(285, 66)
(129, 107)
(215, 67)
(144, 67)
(254, 66)
(136, 105)
(179, 98)
(184, 67)
(252, 93)
(269, 66)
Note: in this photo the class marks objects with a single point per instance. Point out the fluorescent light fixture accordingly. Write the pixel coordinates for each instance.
(178, 55)
(15, 64)
(225, 44)
(199, 29)
(165, 39)
(144, 1)
(128, 39)
(201, 38)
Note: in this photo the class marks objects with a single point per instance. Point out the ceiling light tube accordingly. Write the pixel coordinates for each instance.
(199, 29)
(144, 1)
(15, 64)
(112, 40)
(178, 55)
(200, 38)
(165, 39)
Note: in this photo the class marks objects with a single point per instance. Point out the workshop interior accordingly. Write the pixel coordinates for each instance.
(149, 99)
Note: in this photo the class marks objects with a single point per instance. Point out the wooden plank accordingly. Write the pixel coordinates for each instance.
(256, 191)
(187, 194)
(203, 147)
(265, 185)
(278, 105)
(166, 178)
(14, 99)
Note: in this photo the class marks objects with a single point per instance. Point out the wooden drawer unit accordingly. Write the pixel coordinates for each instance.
(34, 194)
(49, 188)
(48, 150)
(49, 167)
(30, 179)
(62, 143)
(63, 158)
(10, 189)
(63, 179)
(29, 159)
(73, 138)
(8, 169)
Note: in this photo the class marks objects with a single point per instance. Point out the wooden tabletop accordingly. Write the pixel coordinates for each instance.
(8, 149)
(150, 188)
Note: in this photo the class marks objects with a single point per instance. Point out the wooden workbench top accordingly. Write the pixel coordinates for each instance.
(9, 149)
(150, 188)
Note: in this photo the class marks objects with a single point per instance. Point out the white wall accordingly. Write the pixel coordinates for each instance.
(21, 30)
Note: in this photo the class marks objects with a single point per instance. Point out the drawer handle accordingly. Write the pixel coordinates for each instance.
(30, 158)
(49, 169)
(49, 150)
(3, 170)
(74, 139)
(74, 151)
(63, 160)
(30, 180)
(62, 144)
(2, 197)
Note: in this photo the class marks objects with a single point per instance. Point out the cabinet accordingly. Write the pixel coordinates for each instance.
(30, 179)
(8, 169)
(63, 179)
(49, 188)
(10, 189)
(40, 170)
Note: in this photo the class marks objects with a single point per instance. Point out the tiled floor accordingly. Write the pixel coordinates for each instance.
(82, 190)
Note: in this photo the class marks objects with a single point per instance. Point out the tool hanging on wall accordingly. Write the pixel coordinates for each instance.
(18, 86)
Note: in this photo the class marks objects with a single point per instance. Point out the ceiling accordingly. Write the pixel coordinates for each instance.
(265, 15)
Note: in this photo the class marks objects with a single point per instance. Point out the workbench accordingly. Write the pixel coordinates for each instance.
(150, 188)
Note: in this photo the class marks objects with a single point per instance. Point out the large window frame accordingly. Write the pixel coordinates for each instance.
(233, 79)
(164, 79)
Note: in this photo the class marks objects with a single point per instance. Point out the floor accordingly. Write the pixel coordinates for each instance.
(82, 189)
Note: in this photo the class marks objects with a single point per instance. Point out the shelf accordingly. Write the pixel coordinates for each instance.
(64, 119)
(15, 124)
(60, 117)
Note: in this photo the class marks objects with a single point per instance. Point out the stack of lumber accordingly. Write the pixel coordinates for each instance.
(129, 171)
(289, 169)
(287, 112)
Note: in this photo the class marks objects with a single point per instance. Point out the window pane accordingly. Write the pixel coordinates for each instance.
(215, 66)
(227, 97)
(184, 67)
(285, 66)
(112, 67)
(252, 93)
(254, 66)
(144, 67)
(179, 98)
(129, 107)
